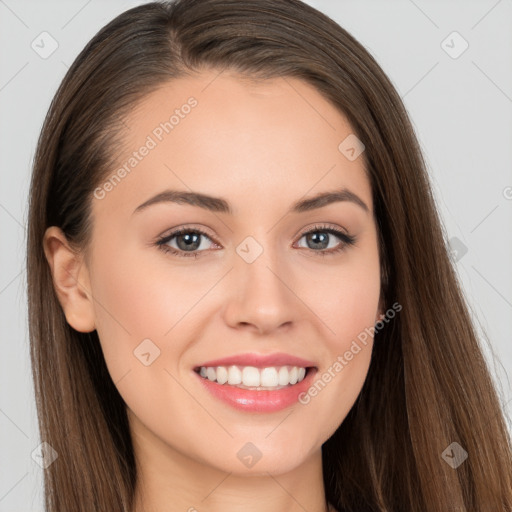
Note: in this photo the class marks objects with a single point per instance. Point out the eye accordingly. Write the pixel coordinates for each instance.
(319, 238)
(188, 242)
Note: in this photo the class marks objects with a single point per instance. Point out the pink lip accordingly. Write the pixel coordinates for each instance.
(259, 401)
(260, 361)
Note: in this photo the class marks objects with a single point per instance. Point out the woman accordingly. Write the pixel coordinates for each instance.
(239, 290)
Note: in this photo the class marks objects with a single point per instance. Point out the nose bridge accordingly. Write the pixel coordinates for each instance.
(258, 266)
(262, 297)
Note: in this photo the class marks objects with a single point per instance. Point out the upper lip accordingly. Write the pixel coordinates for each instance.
(260, 360)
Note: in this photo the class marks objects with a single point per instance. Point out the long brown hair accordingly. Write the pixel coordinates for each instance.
(428, 385)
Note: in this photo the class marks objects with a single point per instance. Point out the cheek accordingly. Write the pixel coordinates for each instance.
(354, 308)
(347, 303)
(135, 302)
(143, 309)
(346, 298)
(351, 316)
(139, 298)
(348, 312)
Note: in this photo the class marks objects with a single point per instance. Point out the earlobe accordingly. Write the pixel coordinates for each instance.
(70, 280)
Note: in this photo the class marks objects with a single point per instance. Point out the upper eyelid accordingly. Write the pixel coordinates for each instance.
(170, 234)
(323, 227)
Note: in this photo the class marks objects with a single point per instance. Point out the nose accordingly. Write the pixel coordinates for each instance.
(261, 296)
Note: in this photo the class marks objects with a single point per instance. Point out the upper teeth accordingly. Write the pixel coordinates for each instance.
(254, 377)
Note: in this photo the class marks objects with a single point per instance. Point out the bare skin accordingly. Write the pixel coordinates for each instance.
(261, 147)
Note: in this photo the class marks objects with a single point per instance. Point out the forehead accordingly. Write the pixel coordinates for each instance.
(222, 133)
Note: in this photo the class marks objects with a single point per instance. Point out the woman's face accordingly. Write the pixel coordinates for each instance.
(254, 284)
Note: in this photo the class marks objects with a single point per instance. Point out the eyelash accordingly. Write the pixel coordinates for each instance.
(346, 241)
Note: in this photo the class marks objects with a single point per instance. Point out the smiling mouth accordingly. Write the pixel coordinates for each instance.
(253, 378)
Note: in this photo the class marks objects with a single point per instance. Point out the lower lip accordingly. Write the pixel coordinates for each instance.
(259, 401)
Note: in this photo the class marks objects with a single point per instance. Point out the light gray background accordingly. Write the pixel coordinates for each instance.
(461, 109)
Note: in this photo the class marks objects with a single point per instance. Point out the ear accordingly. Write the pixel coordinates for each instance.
(70, 280)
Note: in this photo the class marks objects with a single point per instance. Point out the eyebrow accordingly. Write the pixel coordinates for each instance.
(219, 205)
